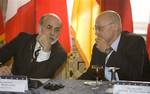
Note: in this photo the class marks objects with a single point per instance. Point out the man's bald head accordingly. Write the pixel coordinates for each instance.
(110, 16)
(108, 26)
(52, 16)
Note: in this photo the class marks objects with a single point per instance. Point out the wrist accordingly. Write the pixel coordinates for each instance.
(47, 50)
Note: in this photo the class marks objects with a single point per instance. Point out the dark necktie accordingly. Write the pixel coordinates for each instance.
(36, 53)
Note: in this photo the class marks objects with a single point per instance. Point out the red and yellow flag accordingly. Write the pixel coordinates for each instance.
(83, 18)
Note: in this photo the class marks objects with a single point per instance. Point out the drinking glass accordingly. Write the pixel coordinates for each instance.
(113, 73)
(98, 70)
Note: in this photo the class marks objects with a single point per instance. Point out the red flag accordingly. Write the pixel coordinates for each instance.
(148, 40)
(60, 8)
(1, 22)
(24, 15)
(123, 7)
(19, 19)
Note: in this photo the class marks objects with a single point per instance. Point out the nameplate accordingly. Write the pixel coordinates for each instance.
(131, 87)
(13, 83)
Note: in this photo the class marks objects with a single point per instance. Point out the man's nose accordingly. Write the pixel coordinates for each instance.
(52, 31)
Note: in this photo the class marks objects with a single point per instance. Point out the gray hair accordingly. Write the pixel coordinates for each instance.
(42, 19)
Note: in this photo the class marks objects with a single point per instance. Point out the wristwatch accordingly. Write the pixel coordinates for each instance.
(108, 50)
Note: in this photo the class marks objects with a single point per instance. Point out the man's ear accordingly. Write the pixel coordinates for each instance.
(40, 29)
(115, 26)
(59, 33)
(40, 32)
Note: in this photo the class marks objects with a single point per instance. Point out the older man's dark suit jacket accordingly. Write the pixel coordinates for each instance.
(130, 57)
(22, 47)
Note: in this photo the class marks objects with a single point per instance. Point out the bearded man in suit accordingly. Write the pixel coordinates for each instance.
(37, 55)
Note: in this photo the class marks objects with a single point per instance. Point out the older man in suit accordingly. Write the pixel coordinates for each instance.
(114, 48)
(38, 55)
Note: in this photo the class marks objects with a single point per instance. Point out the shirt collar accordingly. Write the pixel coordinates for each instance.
(115, 44)
(53, 42)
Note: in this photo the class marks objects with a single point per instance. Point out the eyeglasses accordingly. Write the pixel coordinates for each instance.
(101, 28)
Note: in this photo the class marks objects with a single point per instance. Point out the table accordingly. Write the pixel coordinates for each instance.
(70, 87)
(75, 87)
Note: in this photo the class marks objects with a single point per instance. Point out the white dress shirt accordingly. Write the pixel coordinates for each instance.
(42, 56)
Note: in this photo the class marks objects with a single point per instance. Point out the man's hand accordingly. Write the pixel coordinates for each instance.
(101, 44)
(45, 41)
(5, 70)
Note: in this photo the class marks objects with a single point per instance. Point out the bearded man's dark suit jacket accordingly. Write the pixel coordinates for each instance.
(22, 47)
(130, 58)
